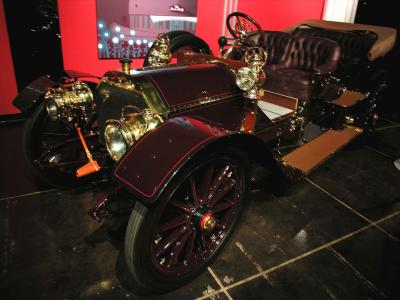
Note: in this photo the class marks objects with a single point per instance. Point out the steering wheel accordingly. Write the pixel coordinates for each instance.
(242, 25)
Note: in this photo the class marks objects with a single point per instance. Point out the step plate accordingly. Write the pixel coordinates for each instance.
(349, 98)
(312, 154)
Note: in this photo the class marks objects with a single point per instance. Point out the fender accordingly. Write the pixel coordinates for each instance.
(31, 96)
(148, 167)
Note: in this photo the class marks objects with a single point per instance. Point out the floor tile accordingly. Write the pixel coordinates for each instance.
(274, 229)
(319, 276)
(386, 141)
(392, 226)
(51, 249)
(363, 179)
(376, 257)
(15, 178)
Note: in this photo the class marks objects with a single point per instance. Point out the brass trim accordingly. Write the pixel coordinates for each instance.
(249, 116)
(151, 96)
(160, 53)
(140, 85)
(63, 99)
(120, 80)
(126, 65)
(202, 102)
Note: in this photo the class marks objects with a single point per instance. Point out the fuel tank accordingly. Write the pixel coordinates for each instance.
(172, 90)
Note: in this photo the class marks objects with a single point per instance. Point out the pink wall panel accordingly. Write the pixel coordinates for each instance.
(280, 14)
(79, 37)
(8, 86)
(78, 26)
(79, 33)
(209, 21)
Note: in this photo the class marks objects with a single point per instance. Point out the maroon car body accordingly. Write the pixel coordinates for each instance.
(180, 140)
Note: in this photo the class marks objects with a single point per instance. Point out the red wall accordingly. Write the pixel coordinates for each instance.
(280, 14)
(8, 86)
(79, 33)
(79, 36)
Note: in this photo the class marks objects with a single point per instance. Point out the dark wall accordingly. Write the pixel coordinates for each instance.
(385, 13)
(381, 13)
(34, 35)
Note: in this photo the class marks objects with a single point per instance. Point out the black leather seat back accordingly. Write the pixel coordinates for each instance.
(312, 54)
(275, 43)
(355, 44)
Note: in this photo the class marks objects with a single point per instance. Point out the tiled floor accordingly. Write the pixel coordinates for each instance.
(334, 235)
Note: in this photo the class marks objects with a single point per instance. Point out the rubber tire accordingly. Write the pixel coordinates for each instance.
(182, 39)
(143, 219)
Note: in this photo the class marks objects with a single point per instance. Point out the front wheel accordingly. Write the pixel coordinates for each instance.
(53, 151)
(167, 246)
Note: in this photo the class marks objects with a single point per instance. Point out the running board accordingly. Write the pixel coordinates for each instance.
(310, 155)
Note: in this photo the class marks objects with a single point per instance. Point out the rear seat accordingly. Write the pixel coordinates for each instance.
(293, 62)
(355, 44)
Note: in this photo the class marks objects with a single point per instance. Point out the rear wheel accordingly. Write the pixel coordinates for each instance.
(183, 40)
(167, 246)
(52, 149)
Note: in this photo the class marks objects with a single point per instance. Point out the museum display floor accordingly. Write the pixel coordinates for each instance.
(335, 234)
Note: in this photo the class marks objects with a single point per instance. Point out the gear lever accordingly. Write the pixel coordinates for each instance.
(222, 42)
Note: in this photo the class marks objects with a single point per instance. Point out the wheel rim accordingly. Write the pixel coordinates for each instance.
(198, 217)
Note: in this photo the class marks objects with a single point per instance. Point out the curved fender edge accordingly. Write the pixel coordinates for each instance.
(152, 162)
(31, 95)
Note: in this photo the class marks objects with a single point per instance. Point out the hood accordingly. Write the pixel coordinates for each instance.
(163, 90)
(181, 85)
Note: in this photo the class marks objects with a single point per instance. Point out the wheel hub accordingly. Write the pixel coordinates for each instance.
(208, 222)
(204, 219)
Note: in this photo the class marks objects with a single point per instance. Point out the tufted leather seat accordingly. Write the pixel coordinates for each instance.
(293, 62)
(355, 44)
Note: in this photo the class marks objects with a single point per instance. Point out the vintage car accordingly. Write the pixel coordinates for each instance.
(179, 140)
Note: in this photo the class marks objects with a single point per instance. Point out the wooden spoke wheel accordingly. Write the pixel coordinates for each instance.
(168, 245)
(53, 151)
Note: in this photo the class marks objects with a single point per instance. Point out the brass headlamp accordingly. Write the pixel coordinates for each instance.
(62, 100)
(120, 134)
(251, 78)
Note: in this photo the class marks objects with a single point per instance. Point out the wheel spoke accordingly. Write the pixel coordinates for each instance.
(188, 209)
(170, 240)
(222, 206)
(176, 251)
(221, 223)
(67, 144)
(63, 164)
(205, 184)
(190, 246)
(199, 215)
(221, 193)
(180, 220)
(196, 199)
(56, 134)
(218, 180)
(202, 241)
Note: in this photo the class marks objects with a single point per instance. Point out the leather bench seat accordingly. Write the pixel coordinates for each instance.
(293, 62)
(355, 44)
